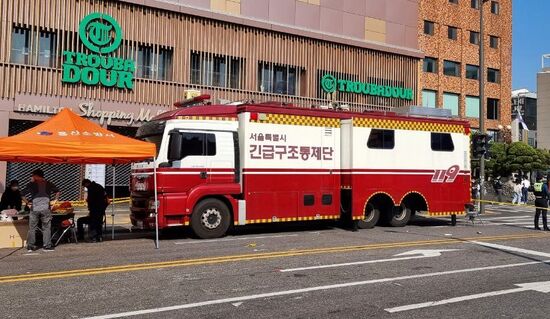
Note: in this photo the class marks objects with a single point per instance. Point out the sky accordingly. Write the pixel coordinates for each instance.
(530, 40)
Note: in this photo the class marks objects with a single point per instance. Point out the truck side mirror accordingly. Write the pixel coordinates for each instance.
(174, 147)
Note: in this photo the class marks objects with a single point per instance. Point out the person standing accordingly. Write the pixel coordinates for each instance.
(516, 199)
(497, 185)
(40, 192)
(97, 203)
(541, 202)
(11, 198)
(525, 184)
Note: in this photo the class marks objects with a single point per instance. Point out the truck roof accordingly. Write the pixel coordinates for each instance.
(279, 108)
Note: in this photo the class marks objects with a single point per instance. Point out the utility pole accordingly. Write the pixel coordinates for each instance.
(481, 103)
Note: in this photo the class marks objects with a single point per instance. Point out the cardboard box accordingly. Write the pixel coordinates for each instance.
(13, 234)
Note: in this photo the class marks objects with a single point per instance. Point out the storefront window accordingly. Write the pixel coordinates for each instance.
(153, 64)
(429, 98)
(20, 46)
(280, 79)
(450, 102)
(216, 70)
(472, 106)
(47, 49)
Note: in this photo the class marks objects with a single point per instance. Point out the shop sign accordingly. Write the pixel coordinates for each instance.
(102, 35)
(88, 110)
(331, 84)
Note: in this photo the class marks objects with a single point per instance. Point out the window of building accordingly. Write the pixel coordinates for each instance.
(47, 53)
(495, 7)
(452, 33)
(451, 68)
(475, 4)
(472, 72)
(278, 78)
(216, 70)
(453, 1)
(493, 42)
(429, 98)
(381, 139)
(20, 45)
(198, 144)
(430, 65)
(472, 106)
(154, 63)
(493, 107)
(493, 75)
(429, 27)
(474, 37)
(450, 102)
(442, 142)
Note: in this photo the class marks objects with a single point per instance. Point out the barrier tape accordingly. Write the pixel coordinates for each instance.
(509, 204)
(82, 203)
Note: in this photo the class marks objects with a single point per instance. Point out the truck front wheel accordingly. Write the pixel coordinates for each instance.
(210, 219)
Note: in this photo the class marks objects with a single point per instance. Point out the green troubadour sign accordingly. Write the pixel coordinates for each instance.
(101, 34)
(330, 84)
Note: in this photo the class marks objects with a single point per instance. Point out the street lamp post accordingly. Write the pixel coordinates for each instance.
(481, 104)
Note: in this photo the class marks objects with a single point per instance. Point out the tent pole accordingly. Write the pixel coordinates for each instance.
(113, 207)
(156, 205)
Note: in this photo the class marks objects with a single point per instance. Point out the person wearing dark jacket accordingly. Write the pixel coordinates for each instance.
(541, 202)
(12, 199)
(97, 203)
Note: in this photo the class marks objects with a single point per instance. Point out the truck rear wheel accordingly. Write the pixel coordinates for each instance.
(371, 217)
(210, 219)
(400, 216)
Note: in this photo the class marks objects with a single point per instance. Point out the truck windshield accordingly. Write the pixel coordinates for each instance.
(152, 132)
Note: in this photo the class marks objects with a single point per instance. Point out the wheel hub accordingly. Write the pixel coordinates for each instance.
(211, 218)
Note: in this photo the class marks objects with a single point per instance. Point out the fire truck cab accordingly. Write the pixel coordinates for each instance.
(224, 165)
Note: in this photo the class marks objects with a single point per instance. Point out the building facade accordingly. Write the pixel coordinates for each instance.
(543, 106)
(524, 108)
(449, 36)
(122, 62)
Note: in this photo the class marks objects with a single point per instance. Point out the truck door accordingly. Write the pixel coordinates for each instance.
(221, 150)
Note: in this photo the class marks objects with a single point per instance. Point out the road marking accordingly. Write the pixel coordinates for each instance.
(543, 286)
(251, 257)
(231, 239)
(508, 217)
(513, 249)
(306, 290)
(426, 253)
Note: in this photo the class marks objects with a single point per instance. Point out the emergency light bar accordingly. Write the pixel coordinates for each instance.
(193, 101)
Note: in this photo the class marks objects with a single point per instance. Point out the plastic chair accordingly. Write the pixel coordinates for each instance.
(67, 230)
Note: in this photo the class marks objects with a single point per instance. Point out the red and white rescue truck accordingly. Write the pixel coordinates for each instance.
(223, 165)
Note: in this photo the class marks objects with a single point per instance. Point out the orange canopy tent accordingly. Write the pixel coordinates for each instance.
(67, 138)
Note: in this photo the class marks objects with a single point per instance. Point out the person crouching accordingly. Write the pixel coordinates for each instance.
(97, 203)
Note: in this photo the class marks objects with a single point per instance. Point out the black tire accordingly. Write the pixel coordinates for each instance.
(371, 217)
(453, 220)
(400, 216)
(210, 219)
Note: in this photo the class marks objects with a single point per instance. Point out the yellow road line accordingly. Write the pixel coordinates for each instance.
(249, 257)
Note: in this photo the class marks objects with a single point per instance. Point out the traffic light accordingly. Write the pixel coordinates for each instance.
(480, 146)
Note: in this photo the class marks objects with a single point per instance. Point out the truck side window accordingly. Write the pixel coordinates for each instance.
(198, 144)
(442, 142)
(381, 139)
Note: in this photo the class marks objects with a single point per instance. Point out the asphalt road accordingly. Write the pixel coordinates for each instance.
(427, 270)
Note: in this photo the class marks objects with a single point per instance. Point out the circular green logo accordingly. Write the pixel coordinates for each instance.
(100, 32)
(328, 83)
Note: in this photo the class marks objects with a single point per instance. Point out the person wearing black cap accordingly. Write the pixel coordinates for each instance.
(40, 192)
(541, 202)
(97, 203)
